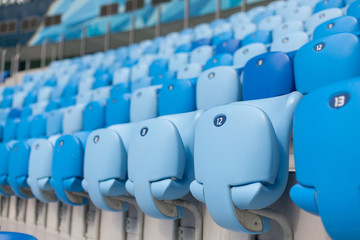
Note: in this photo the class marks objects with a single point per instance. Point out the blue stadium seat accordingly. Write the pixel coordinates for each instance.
(290, 42)
(106, 178)
(103, 81)
(6, 102)
(217, 86)
(244, 54)
(141, 82)
(299, 14)
(262, 15)
(338, 25)
(19, 168)
(44, 94)
(40, 162)
(38, 126)
(224, 36)
(138, 71)
(326, 157)
(222, 59)
(201, 42)
(121, 75)
(84, 98)
(25, 112)
(268, 75)
(16, 236)
(163, 78)
(161, 171)
(354, 9)
(320, 17)
(68, 168)
(260, 36)
(176, 96)
(201, 54)
(10, 130)
(190, 71)
(94, 115)
(23, 130)
(52, 105)
(241, 31)
(321, 56)
(117, 110)
(232, 185)
(18, 99)
(100, 94)
(67, 101)
(239, 18)
(54, 122)
(5, 148)
(72, 120)
(184, 48)
(270, 23)
(14, 113)
(30, 98)
(158, 66)
(227, 46)
(326, 4)
(178, 60)
(85, 85)
(143, 104)
(70, 90)
(119, 89)
(287, 28)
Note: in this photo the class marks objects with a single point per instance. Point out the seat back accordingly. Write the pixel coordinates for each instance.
(161, 171)
(72, 121)
(217, 86)
(289, 43)
(94, 115)
(54, 122)
(320, 17)
(201, 54)
(24, 128)
(222, 59)
(5, 148)
(301, 13)
(321, 56)
(326, 4)
(38, 126)
(287, 28)
(242, 30)
(270, 23)
(260, 36)
(117, 110)
(68, 168)
(143, 104)
(227, 46)
(244, 54)
(354, 9)
(178, 60)
(10, 129)
(244, 127)
(338, 25)
(328, 184)
(121, 75)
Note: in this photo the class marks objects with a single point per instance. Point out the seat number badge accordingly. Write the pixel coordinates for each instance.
(219, 120)
(143, 131)
(318, 47)
(339, 100)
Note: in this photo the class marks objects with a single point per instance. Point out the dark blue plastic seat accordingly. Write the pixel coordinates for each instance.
(354, 9)
(177, 96)
(38, 126)
(227, 46)
(15, 236)
(54, 122)
(94, 115)
(26, 112)
(117, 110)
(346, 24)
(221, 37)
(268, 75)
(326, 157)
(10, 130)
(324, 61)
(184, 48)
(6, 102)
(201, 42)
(24, 128)
(158, 66)
(325, 4)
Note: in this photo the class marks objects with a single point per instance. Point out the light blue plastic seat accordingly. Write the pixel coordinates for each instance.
(287, 7)
(121, 75)
(338, 25)
(54, 122)
(19, 168)
(241, 31)
(39, 107)
(106, 178)
(201, 54)
(5, 148)
(40, 166)
(44, 94)
(326, 4)
(84, 98)
(287, 28)
(244, 54)
(354, 9)
(86, 85)
(178, 60)
(161, 171)
(321, 56)
(103, 80)
(289, 43)
(117, 110)
(190, 71)
(101, 94)
(270, 23)
(268, 75)
(260, 36)
(239, 18)
(176, 96)
(4, 113)
(301, 13)
(217, 86)
(68, 168)
(143, 103)
(262, 15)
(318, 18)
(141, 82)
(201, 42)
(328, 185)
(222, 59)
(18, 99)
(138, 71)
(72, 120)
(237, 183)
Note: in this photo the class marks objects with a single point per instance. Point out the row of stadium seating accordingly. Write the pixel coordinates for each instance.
(201, 111)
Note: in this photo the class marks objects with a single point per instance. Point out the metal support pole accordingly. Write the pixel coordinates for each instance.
(132, 29)
(61, 47)
(53, 52)
(158, 21)
(218, 9)
(82, 42)
(27, 64)
(186, 13)
(16, 66)
(243, 5)
(107, 37)
(2, 66)
(43, 53)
